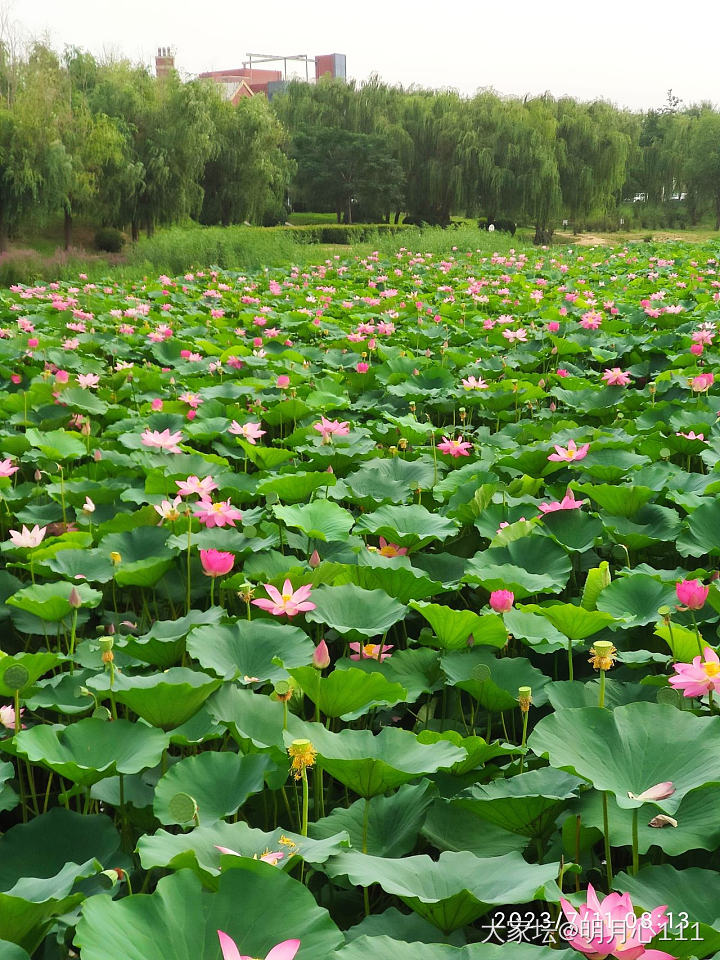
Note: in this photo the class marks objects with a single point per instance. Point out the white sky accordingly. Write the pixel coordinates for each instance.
(627, 51)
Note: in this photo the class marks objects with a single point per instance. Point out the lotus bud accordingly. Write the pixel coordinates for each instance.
(321, 656)
(524, 698)
(314, 560)
(501, 601)
(38, 476)
(661, 791)
(75, 600)
(97, 455)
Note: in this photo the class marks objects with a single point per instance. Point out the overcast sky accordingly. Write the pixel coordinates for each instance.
(626, 51)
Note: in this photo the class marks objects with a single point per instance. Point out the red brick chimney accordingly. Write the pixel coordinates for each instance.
(164, 62)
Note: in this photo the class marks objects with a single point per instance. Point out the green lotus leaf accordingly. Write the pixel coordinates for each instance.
(683, 643)
(621, 500)
(50, 601)
(347, 693)
(371, 764)
(57, 444)
(295, 487)
(401, 583)
(493, 681)
(454, 890)
(181, 920)
(219, 783)
(574, 693)
(449, 827)
(34, 666)
(632, 748)
(387, 948)
(164, 643)
(697, 827)
(144, 555)
(635, 599)
(198, 851)
(8, 797)
(11, 951)
(407, 525)
(479, 751)
(573, 529)
(527, 566)
(702, 533)
(319, 520)
(163, 700)
(261, 649)
(693, 891)
(393, 822)
(92, 749)
(417, 670)
(527, 803)
(354, 612)
(575, 623)
(453, 628)
(534, 630)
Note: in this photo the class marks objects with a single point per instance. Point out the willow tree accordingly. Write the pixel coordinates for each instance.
(702, 167)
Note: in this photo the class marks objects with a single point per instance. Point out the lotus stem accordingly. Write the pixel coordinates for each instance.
(187, 596)
(601, 694)
(366, 819)
(212, 591)
(571, 675)
(606, 831)
(635, 855)
(697, 633)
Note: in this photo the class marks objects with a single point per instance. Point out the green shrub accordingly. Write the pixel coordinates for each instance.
(109, 239)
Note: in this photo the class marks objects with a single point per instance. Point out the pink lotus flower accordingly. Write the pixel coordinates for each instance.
(283, 381)
(698, 678)
(288, 603)
(389, 549)
(7, 717)
(691, 435)
(661, 791)
(455, 448)
(329, 427)
(216, 563)
(193, 484)
(282, 951)
(562, 372)
(568, 502)
(248, 431)
(472, 383)
(28, 538)
(703, 381)
(362, 367)
(572, 452)
(163, 441)
(370, 651)
(217, 514)
(7, 469)
(156, 404)
(86, 380)
(502, 600)
(691, 594)
(168, 510)
(616, 378)
(601, 929)
(553, 326)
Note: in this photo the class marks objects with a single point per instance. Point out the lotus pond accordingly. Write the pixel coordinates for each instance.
(363, 611)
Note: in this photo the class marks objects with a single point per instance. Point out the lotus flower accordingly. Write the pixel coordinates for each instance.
(28, 538)
(661, 791)
(370, 651)
(389, 549)
(216, 563)
(609, 928)
(698, 678)
(502, 600)
(7, 717)
(455, 448)
(217, 514)
(329, 427)
(203, 488)
(615, 377)
(162, 441)
(568, 502)
(569, 453)
(691, 594)
(7, 469)
(248, 431)
(282, 951)
(703, 381)
(288, 603)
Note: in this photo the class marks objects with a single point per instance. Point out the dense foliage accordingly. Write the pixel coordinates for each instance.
(302, 572)
(111, 143)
